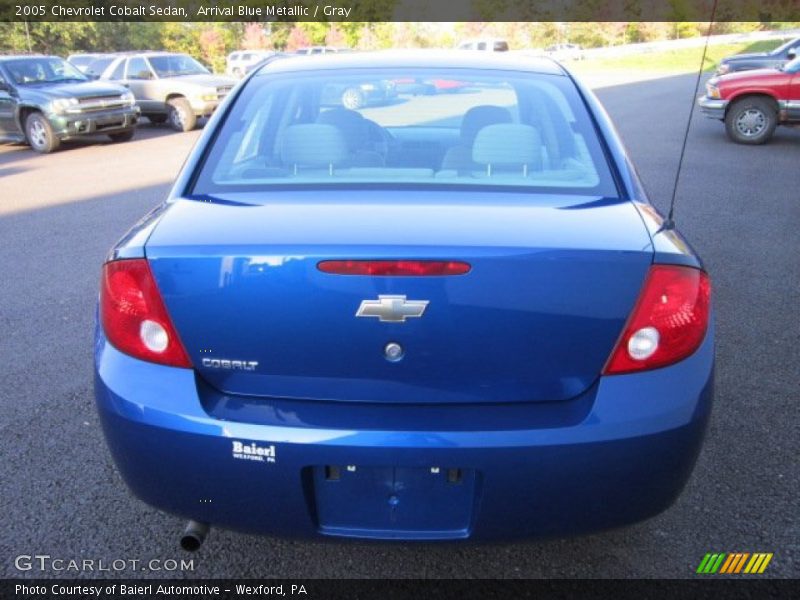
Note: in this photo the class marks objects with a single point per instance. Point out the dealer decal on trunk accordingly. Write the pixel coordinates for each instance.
(253, 451)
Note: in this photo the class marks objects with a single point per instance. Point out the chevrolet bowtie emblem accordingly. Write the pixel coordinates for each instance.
(392, 309)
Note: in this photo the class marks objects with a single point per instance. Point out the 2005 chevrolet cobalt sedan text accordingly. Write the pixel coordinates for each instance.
(449, 316)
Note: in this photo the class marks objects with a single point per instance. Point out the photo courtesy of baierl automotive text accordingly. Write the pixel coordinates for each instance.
(325, 296)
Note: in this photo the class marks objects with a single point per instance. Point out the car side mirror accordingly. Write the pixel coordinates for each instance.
(4, 87)
(792, 53)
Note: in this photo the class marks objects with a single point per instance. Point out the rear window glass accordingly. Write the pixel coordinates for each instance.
(119, 71)
(81, 60)
(407, 127)
(96, 67)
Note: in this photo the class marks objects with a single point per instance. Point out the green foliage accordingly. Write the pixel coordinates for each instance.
(211, 42)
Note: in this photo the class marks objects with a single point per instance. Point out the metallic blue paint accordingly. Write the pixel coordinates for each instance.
(548, 448)
(543, 281)
(618, 454)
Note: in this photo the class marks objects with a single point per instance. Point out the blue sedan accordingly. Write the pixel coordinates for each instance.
(450, 317)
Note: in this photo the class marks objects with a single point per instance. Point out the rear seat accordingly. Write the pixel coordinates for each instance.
(503, 150)
(355, 129)
(459, 158)
(321, 149)
(508, 148)
(313, 147)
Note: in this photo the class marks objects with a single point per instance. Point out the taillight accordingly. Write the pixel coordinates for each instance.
(134, 317)
(408, 268)
(668, 322)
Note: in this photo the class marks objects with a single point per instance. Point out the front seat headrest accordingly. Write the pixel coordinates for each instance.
(478, 117)
(352, 125)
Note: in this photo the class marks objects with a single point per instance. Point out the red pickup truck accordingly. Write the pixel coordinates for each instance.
(753, 103)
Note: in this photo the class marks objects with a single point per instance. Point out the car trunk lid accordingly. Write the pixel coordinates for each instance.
(551, 282)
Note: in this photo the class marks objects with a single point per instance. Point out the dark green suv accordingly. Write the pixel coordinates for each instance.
(44, 100)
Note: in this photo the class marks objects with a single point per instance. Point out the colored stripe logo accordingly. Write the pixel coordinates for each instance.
(734, 563)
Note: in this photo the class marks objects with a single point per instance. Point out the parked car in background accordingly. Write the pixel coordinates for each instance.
(95, 68)
(753, 103)
(428, 86)
(168, 87)
(44, 100)
(318, 50)
(451, 320)
(239, 61)
(760, 60)
(484, 45)
(358, 93)
(81, 60)
(564, 52)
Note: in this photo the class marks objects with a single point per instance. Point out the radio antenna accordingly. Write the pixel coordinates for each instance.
(669, 223)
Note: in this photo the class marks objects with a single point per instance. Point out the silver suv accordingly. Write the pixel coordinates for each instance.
(238, 61)
(168, 87)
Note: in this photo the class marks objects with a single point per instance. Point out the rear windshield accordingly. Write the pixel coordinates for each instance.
(420, 127)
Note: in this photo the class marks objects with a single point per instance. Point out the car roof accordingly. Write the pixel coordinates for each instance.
(6, 57)
(129, 53)
(453, 59)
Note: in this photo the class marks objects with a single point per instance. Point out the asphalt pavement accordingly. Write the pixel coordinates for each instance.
(61, 495)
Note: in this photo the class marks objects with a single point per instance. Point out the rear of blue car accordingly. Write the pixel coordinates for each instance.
(450, 317)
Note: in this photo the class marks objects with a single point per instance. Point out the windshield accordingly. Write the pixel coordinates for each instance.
(783, 47)
(32, 71)
(176, 65)
(793, 66)
(396, 127)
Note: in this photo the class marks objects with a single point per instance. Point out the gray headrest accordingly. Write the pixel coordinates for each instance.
(478, 117)
(352, 125)
(313, 145)
(507, 145)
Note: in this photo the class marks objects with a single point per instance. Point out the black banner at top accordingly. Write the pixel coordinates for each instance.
(399, 10)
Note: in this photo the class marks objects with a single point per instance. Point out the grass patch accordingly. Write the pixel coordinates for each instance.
(673, 61)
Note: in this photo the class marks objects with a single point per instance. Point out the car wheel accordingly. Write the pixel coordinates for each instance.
(157, 119)
(751, 120)
(180, 115)
(40, 134)
(124, 136)
(352, 98)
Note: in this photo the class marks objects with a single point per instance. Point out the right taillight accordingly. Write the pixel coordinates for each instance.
(134, 317)
(668, 322)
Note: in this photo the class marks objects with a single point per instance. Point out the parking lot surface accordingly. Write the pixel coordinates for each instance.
(739, 206)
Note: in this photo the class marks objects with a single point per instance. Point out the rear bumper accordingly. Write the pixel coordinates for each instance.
(95, 122)
(712, 107)
(617, 455)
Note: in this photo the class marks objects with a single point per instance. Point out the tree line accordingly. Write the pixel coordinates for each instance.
(211, 42)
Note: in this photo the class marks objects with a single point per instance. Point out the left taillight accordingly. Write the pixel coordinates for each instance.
(134, 317)
(668, 323)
